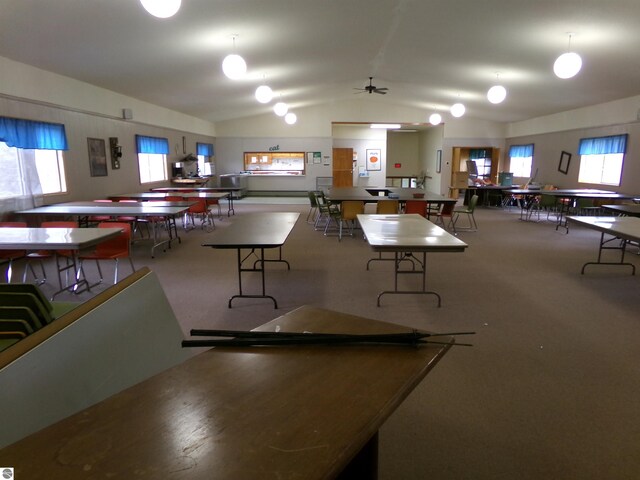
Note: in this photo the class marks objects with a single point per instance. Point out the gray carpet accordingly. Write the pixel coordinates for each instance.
(551, 387)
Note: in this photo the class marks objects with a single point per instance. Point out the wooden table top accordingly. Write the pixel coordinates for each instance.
(255, 230)
(407, 232)
(627, 228)
(54, 238)
(239, 413)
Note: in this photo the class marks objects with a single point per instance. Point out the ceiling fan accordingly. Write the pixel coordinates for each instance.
(372, 88)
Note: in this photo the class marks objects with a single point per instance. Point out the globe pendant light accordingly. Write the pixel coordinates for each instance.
(290, 118)
(435, 119)
(497, 94)
(281, 109)
(568, 64)
(161, 8)
(264, 94)
(457, 110)
(234, 65)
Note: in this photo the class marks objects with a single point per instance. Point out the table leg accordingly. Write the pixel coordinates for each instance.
(258, 266)
(399, 257)
(603, 246)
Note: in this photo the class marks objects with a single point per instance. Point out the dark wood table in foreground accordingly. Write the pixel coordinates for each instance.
(308, 412)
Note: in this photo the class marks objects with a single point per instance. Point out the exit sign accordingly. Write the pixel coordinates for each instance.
(397, 165)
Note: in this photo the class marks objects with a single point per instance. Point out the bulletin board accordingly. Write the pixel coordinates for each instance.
(275, 163)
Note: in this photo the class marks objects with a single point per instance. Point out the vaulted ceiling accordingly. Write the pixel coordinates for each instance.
(428, 53)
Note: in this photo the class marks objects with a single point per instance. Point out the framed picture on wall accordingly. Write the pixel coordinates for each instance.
(97, 157)
(374, 162)
(565, 159)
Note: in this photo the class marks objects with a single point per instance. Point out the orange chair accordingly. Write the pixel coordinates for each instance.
(416, 206)
(11, 255)
(200, 209)
(67, 255)
(113, 249)
(387, 206)
(447, 212)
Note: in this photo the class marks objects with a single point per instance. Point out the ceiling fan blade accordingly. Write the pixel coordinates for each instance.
(381, 93)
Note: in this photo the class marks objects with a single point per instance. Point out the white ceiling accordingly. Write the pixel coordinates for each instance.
(429, 53)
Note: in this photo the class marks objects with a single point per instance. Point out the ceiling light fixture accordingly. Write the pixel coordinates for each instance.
(568, 64)
(388, 126)
(435, 119)
(457, 110)
(264, 94)
(161, 8)
(281, 108)
(233, 64)
(290, 118)
(497, 93)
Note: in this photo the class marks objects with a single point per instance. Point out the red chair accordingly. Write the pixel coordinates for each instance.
(416, 206)
(10, 255)
(92, 219)
(446, 212)
(113, 249)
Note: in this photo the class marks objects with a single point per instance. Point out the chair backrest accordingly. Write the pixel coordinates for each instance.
(199, 207)
(351, 208)
(447, 209)
(60, 224)
(120, 245)
(173, 198)
(387, 206)
(29, 301)
(312, 198)
(27, 288)
(416, 206)
(19, 319)
(473, 201)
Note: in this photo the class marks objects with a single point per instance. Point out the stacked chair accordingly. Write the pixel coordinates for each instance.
(23, 310)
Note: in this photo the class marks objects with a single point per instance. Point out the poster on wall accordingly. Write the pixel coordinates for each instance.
(373, 160)
(97, 157)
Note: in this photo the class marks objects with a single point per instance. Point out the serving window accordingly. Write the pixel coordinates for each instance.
(275, 163)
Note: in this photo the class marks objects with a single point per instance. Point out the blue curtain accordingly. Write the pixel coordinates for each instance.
(152, 145)
(520, 151)
(476, 154)
(31, 135)
(205, 149)
(603, 145)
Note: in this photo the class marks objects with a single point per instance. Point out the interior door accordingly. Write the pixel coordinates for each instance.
(342, 167)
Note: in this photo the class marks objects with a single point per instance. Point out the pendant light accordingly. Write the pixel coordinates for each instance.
(161, 8)
(457, 110)
(264, 94)
(497, 93)
(233, 64)
(568, 64)
(291, 118)
(435, 119)
(281, 108)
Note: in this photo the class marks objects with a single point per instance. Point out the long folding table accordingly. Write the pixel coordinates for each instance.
(167, 211)
(51, 239)
(404, 235)
(255, 232)
(179, 190)
(615, 234)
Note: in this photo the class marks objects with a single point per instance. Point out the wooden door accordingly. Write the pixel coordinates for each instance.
(342, 167)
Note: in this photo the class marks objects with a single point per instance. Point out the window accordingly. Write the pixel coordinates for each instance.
(152, 167)
(274, 163)
(482, 160)
(31, 161)
(521, 160)
(601, 159)
(205, 159)
(152, 158)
